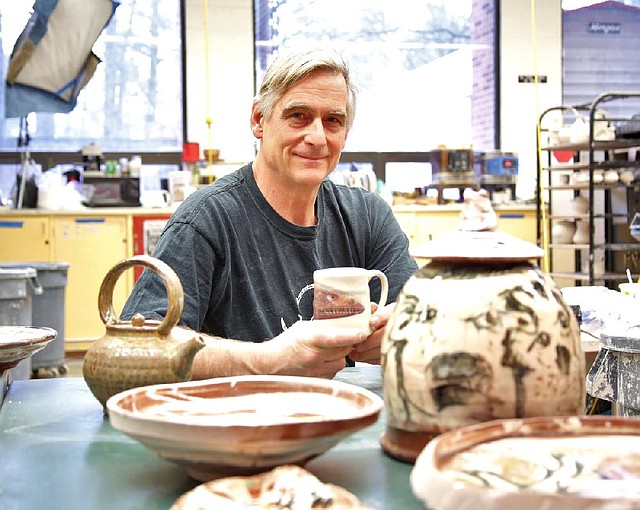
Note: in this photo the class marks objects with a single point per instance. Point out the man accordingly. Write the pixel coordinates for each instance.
(245, 248)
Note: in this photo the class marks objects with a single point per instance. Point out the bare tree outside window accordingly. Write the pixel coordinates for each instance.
(411, 58)
(134, 101)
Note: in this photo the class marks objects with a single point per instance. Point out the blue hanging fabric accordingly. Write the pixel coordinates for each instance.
(52, 60)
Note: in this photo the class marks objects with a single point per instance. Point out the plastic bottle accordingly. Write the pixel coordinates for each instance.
(135, 163)
(111, 168)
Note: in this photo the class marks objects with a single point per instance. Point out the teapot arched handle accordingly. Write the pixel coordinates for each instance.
(175, 294)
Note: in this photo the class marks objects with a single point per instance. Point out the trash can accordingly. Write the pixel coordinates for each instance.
(17, 286)
(48, 311)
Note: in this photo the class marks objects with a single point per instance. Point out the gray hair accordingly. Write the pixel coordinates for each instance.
(289, 68)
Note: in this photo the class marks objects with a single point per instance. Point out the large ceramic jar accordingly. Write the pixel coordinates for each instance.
(479, 333)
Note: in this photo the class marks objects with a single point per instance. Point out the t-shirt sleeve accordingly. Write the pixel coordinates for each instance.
(389, 247)
(192, 259)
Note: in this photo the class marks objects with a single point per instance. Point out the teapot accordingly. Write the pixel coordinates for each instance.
(139, 352)
(478, 333)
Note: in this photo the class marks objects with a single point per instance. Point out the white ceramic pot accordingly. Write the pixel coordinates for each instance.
(611, 176)
(580, 177)
(580, 204)
(563, 232)
(477, 334)
(627, 176)
(581, 235)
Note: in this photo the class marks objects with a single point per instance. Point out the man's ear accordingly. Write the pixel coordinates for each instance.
(256, 121)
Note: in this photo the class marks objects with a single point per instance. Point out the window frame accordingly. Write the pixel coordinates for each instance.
(49, 159)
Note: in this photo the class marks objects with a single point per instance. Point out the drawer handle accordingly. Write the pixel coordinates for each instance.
(11, 224)
(90, 220)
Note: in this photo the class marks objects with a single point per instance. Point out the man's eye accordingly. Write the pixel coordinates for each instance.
(335, 120)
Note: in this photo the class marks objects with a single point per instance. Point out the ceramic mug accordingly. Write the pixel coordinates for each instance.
(341, 295)
(155, 198)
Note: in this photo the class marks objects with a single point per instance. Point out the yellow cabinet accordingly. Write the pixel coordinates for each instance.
(519, 223)
(423, 223)
(92, 245)
(24, 239)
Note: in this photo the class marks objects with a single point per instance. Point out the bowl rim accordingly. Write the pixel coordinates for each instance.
(369, 412)
(40, 335)
(437, 452)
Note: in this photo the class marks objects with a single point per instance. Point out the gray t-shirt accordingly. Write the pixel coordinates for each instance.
(245, 269)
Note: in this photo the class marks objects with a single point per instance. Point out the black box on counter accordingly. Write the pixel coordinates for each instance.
(112, 191)
(451, 165)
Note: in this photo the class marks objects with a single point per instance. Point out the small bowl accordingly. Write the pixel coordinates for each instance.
(561, 463)
(20, 342)
(214, 153)
(243, 425)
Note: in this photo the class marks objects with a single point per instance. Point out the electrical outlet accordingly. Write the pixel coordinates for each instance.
(531, 78)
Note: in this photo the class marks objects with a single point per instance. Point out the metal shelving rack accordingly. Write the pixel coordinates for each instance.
(603, 238)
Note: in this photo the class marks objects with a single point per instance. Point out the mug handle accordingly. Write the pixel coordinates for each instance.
(384, 287)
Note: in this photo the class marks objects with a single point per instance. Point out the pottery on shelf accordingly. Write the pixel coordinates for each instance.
(479, 333)
(611, 176)
(580, 204)
(581, 234)
(598, 176)
(139, 352)
(627, 175)
(563, 231)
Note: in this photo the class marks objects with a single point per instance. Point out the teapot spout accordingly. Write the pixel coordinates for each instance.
(183, 357)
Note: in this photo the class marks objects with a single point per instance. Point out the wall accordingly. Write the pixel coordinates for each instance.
(230, 76)
(483, 100)
(530, 42)
(606, 53)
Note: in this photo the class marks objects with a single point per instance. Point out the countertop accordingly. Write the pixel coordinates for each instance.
(90, 211)
(498, 208)
(58, 451)
(115, 211)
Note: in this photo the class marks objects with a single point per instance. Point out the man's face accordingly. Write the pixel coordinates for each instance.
(302, 140)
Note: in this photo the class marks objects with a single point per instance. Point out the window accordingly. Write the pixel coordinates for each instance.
(133, 103)
(425, 69)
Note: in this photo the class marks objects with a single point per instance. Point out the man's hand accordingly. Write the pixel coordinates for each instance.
(308, 348)
(369, 350)
(311, 348)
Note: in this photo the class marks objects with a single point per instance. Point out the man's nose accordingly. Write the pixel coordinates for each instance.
(315, 132)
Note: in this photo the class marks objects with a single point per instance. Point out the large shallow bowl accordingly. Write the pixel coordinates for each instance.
(567, 463)
(243, 425)
(20, 342)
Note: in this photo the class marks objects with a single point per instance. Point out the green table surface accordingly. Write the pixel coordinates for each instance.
(57, 450)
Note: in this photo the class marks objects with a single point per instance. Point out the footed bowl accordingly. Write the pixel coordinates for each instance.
(245, 424)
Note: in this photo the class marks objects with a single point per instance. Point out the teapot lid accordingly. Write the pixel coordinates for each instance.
(476, 238)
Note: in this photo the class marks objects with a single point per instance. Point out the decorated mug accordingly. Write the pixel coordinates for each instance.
(342, 296)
